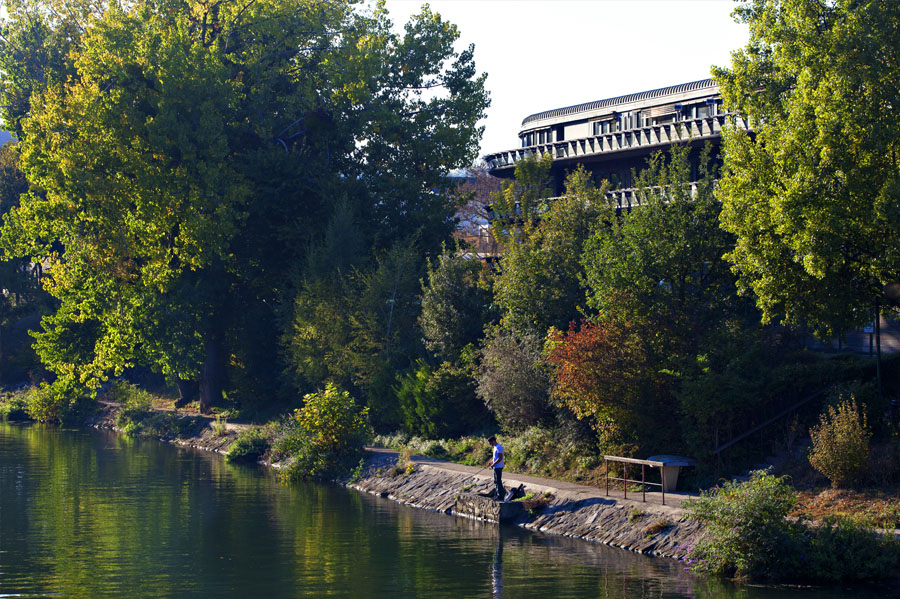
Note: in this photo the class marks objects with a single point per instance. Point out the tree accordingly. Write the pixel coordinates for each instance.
(440, 402)
(540, 280)
(193, 152)
(512, 379)
(665, 255)
(813, 193)
(455, 305)
(18, 278)
(519, 202)
(600, 373)
(358, 329)
(20, 292)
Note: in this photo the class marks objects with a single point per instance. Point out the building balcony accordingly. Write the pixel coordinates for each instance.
(637, 140)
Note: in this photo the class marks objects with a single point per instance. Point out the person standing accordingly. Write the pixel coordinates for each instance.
(497, 464)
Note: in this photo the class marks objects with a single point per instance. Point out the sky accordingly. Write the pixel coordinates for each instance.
(545, 54)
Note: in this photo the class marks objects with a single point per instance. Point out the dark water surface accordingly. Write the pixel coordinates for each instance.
(94, 514)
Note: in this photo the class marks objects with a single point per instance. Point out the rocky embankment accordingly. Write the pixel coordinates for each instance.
(562, 508)
(572, 510)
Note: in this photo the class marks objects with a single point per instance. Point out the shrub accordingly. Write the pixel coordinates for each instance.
(324, 438)
(512, 381)
(440, 403)
(133, 416)
(14, 406)
(395, 440)
(220, 426)
(131, 395)
(543, 451)
(249, 446)
(404, 465)
(137, 416)
(846, 550)
(841, 444)
(635, 514)
(61, 401)
(747, 533)
(657, 526)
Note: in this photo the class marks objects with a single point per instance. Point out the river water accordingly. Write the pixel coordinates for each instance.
(92, 514)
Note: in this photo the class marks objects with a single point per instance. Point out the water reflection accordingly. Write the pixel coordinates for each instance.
(94, 514)
(497, 568)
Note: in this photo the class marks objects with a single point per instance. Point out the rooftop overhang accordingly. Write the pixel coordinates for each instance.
(684, 92)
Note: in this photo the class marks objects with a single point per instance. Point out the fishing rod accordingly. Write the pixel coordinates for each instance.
(474, 474)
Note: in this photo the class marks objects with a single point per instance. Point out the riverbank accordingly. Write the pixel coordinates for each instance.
(571, 510)
(200, 431)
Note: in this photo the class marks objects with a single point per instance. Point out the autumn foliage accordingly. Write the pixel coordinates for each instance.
(598, 367)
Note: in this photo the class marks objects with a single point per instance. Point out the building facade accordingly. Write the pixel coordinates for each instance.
(614, 137)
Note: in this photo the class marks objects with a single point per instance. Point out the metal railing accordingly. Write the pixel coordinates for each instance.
(659, 135)
(643, 482)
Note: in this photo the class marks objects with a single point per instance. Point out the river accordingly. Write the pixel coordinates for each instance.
(93, 514)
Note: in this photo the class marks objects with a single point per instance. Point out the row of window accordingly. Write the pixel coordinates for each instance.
(635, 119)
(544, 136)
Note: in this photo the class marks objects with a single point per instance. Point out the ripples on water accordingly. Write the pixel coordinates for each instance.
(92, 514)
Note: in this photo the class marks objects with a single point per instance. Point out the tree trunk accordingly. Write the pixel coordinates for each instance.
(211, 375)
(187, 391)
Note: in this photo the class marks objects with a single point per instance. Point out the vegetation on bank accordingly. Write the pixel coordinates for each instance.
(538, 451)
(325, 438)
(138, 417)
(749, 535)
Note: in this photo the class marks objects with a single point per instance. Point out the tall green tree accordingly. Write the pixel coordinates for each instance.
(455, 305)
(517, 205)
(358, 328)
(662, 261)
(18, 278)
(539, 284)
(193, 152)
(813, 194)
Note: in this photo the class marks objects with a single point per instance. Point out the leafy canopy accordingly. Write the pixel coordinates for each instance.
(813, 194)
(184, 156)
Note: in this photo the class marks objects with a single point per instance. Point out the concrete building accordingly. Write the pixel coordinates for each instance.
(613, 137)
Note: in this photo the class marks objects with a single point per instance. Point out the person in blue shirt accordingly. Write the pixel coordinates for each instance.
(497, 464)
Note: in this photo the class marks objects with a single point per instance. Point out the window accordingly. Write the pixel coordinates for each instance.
(603, 127)
(666, 118)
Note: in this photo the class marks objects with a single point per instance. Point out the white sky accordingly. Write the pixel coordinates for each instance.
(544, 54)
